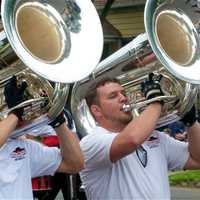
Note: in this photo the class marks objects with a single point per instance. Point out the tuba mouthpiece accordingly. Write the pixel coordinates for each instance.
(126, 108)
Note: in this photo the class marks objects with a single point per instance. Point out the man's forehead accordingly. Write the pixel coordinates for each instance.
(110, 87)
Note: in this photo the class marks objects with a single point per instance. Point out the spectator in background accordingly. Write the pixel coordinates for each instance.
(178, 130)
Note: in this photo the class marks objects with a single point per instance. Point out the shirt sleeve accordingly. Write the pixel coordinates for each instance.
(176, 152)
(96, 149)
(43, 160)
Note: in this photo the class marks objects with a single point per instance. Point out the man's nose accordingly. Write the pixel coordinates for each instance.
(123, 98)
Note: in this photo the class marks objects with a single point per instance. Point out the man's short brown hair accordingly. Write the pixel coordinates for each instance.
(91, 95)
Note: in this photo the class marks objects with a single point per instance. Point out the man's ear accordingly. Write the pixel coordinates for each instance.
(96, 110)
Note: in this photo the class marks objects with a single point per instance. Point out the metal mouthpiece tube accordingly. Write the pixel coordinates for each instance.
(167, 99)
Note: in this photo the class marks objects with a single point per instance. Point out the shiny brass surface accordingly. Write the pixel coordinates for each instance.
(169, 47)
(173, 28)
(39, 92)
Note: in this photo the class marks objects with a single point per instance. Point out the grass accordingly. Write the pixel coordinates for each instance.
(190, 178)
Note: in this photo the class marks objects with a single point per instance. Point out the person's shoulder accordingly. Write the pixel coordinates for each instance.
(95, 136)
(89, 142)
(88, 138)
(97, 132)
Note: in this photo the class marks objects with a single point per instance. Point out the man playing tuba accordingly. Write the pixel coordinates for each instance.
(126, 158)
(20, 160)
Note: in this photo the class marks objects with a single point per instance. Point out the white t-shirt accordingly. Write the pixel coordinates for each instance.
(21, 160)
(43, 130)
(127, 178)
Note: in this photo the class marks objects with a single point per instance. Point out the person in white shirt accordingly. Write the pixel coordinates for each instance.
(125, 158)
(60, 182)
(21, 160)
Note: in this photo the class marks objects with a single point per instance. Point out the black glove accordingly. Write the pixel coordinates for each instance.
(60, 119)
(151, 87)
(14, 95)
(190, 117)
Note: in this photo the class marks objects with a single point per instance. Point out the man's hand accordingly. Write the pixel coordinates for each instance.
(151, 87)
(190, 117)
(14, 95)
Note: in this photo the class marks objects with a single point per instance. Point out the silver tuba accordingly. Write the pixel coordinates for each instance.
(169, 47)
(43, 42)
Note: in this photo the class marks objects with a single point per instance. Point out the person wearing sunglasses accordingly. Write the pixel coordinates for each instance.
(125, 158)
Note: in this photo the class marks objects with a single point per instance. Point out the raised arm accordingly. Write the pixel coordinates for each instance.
(6, 127)
(13, 96)
(138, 130)
(193, 132)
(73, 160)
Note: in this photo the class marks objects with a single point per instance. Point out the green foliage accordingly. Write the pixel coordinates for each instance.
(185, 178)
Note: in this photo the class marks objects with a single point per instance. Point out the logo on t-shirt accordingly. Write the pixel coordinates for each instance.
(18, 153)
(153, 141)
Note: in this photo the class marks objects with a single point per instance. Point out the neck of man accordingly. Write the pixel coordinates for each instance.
(112, 126)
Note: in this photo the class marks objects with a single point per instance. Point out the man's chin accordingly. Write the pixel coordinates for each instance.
(127, 118)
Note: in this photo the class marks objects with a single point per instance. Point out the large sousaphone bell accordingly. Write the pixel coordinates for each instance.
(173, 29)
(57, 43)
(169, 47)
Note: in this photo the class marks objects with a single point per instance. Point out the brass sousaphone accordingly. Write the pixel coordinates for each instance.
(44, 43)
(169, 47)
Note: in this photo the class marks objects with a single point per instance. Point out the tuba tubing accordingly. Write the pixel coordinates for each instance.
(169, 47)
(131, 65)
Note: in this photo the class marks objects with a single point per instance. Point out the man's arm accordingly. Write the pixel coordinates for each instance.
(193, 133)
(136, 132)
(7, 125)
(14, 95)
(73, 160)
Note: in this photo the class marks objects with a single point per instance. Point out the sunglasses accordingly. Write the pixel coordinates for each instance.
(142, 155)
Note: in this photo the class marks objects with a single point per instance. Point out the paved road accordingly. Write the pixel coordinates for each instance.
(185, 194)
(176, 194)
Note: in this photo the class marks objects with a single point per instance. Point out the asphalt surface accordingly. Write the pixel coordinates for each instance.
(185, 194)
(176, 194)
